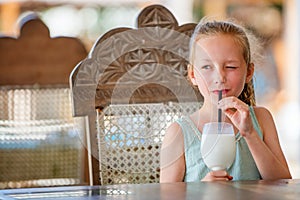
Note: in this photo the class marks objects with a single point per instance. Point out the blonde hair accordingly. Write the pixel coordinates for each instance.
(211, 28)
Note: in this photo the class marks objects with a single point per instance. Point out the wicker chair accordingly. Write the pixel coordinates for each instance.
(38, 145)
(130, 88)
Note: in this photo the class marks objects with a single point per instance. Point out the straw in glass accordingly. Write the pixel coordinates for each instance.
(219, 110)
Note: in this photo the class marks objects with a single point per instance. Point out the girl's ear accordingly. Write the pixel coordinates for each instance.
(250, 72)
(191, 74)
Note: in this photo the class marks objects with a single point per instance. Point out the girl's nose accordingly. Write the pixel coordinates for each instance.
(220, 76)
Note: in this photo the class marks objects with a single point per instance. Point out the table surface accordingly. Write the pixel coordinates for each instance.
(279, 189)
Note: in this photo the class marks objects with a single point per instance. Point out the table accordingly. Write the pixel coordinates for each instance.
(279, 189)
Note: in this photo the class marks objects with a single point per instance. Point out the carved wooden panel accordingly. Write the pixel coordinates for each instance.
(142, 65)
(36, 58)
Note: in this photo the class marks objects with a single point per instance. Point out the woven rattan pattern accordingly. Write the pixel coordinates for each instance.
(37, 137)
(129, 138)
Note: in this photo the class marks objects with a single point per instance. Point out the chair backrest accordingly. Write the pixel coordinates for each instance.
(131, 87)
(38, 145)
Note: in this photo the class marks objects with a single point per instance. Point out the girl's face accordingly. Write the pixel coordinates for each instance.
(219, 65)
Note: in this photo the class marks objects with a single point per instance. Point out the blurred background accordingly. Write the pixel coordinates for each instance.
(276, 22)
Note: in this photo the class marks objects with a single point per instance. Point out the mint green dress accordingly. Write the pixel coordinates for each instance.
(243, 168)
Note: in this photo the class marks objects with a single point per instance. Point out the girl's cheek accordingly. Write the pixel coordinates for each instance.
(203, 86)
(204, 79)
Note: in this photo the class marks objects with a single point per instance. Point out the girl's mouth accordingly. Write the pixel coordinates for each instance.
(224, 92)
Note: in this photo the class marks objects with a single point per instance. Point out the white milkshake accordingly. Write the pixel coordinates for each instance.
(218, 146)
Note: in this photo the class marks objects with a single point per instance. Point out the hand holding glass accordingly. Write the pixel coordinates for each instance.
(218, 145)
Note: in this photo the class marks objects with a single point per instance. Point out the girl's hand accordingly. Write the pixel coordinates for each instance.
(217, 176)
(239, 114)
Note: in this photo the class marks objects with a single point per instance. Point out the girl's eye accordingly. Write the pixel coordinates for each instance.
(206, 67)
(231, 67)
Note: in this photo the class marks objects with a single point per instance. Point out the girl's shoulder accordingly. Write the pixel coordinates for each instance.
(174, 127)
(173, 131)
(264, 118)
(262, 112)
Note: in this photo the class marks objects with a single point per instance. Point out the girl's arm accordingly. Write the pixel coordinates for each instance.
(267, 153)
(172, 161)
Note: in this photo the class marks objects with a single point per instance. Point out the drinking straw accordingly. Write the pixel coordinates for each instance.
(219, 112)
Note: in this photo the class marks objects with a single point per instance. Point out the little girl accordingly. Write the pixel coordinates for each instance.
(221, 61)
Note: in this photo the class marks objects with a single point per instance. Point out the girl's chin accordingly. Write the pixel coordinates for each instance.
(211, 102)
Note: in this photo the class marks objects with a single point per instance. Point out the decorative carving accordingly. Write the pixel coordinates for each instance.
(153, 57)
(157, 16)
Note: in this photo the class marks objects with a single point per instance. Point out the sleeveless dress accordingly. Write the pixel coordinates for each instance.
(243, 168)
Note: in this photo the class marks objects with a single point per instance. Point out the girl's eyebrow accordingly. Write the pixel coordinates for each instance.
(205, 59)
(232, 61)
